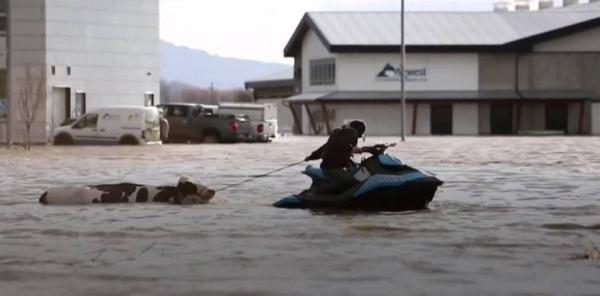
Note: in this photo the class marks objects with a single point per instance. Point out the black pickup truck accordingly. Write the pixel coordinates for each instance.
(199, 123)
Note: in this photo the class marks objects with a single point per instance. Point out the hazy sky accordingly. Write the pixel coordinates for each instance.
(259, 29)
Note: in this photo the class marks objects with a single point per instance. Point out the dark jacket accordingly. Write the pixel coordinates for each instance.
(337, 152)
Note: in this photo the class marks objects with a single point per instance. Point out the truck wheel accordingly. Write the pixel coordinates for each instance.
(211, 137)
(129, 140)
(63, 139)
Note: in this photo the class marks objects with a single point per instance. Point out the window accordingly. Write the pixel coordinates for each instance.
(177, 111)
(53, 70)
(88, 121)
(68, 71)
(80, 104)
(322, 72)
(149, 99)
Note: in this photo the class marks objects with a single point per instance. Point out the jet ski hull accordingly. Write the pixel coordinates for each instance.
(416, 196)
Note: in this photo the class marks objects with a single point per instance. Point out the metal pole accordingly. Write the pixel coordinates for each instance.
(403, 76)
(8, 77)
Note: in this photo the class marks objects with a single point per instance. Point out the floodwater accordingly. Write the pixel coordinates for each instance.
(516, 216)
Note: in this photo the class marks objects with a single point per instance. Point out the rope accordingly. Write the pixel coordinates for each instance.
(259, 176)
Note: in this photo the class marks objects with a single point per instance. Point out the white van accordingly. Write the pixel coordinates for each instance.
(264, 125)
(123, 125)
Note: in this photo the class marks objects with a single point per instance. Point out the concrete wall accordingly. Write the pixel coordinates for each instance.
(112, 48)
(533, 117)
(485, 127)
(436, 72)
(27, 30)
(465, 117)
(588, 40)
(497, 71)
(423, 119)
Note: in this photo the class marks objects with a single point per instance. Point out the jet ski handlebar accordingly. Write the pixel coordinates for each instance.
(377, 149)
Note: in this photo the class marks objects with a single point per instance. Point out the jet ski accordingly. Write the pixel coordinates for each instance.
(384, 183)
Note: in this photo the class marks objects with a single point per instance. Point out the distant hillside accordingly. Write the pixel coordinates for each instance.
(199, 68)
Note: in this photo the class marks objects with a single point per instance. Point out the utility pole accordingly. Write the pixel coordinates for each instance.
(9, 117)
(403, 75)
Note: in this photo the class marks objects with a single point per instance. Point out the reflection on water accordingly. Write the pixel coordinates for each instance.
(515, 216)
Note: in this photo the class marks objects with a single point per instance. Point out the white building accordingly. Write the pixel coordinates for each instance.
(476, 73)
(88, 53)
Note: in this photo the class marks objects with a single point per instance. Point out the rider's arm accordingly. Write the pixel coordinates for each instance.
(317, 154)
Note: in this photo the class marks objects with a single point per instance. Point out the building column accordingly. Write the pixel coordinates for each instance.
(519, 110)
(296, 120)
(312, 119)
(581, 115)
(326, 118)
(414, 119)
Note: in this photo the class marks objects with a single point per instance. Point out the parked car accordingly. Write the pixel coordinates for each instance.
(263, 128)
(125, 125)
(200, 123)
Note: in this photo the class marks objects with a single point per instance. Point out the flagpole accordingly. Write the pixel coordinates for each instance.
(403, 76)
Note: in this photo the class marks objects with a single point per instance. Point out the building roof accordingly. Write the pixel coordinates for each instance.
(286, 74)
(281, 79)
(380, 31)
(581, 7)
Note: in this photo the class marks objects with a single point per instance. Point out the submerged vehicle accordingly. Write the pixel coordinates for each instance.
(387, 185)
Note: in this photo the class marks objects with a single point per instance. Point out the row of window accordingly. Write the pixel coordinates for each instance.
(53, 70)
(501, 118)
(322, 72)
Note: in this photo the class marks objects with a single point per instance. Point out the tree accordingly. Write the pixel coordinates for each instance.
(31, 93)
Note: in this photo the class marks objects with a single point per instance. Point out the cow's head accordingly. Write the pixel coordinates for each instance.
(192, 192)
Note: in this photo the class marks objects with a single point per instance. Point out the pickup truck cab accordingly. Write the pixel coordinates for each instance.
(125, 125)
(190, 122)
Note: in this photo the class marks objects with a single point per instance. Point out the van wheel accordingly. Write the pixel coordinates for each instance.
(129, 140)
(211, 137)
(63, 139)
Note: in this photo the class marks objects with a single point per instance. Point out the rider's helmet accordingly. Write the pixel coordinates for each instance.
(359, 126)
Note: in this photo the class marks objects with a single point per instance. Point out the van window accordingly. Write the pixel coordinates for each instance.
(177, 111)
(88, 121)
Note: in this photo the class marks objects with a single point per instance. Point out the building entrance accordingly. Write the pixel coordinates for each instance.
(501, 119)
(557, 117)
(61, 106)
(441, 119)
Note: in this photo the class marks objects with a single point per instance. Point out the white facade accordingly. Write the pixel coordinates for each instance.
(358, 72)
(101, 52)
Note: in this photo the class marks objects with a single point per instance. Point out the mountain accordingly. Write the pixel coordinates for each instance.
(199, 68)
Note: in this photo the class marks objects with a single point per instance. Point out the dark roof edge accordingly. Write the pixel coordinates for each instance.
(296, 40)
(269, 83)
(428, 48)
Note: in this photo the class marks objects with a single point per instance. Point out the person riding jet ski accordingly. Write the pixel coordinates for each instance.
(336, 153)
